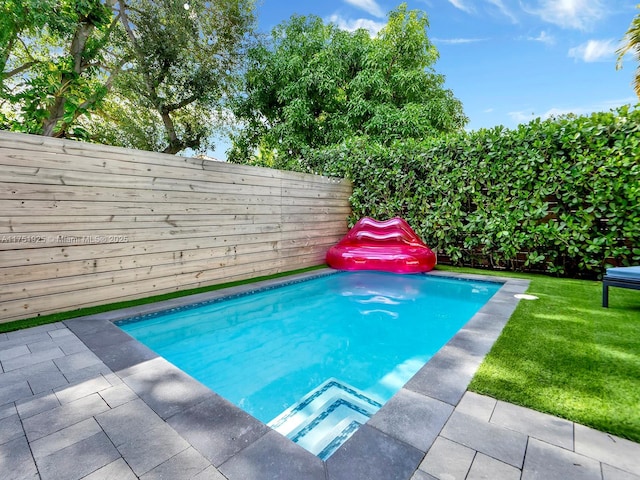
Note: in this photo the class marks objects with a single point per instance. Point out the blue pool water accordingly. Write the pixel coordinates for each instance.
(341, 342)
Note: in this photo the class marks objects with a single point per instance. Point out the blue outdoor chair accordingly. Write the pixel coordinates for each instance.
(624, 277)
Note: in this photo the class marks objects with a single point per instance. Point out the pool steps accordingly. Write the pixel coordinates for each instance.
(326, 417)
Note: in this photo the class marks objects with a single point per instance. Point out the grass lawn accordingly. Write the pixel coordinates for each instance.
(565, 355)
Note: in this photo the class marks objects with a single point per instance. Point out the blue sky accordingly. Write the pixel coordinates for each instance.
(508, 61)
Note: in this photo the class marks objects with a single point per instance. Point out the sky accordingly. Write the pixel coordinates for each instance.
(507, 61)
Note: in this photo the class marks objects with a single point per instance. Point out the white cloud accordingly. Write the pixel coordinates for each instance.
(461, 5)
(594, 50)
(521, 117)
(457, 41)
(544, 37)
(499, 4)
(369, 6)
(353, 25)
(578, 14)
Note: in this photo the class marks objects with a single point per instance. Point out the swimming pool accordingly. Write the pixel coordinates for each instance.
(315, 359)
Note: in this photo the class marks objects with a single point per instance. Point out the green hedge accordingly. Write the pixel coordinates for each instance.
(559, 196)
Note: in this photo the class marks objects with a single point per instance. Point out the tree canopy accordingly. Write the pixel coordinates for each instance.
(147, 74)
(58, 59)
(313, 85)
(631, 43)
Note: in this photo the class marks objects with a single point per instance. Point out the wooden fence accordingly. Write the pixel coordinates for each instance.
(84, 224)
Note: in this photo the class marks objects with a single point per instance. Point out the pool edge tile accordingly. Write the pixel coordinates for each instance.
(273, 456)
(371, 453)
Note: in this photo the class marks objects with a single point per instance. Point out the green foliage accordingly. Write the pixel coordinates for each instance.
(156, 72)
(187, 61)
(560, 196)
(54, 63)
(316, 85)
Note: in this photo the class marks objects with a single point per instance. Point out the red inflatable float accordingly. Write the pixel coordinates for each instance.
(390, 246)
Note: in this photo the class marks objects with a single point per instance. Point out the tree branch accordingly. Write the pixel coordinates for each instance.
(20, 69)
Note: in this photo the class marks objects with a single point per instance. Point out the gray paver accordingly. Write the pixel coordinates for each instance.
(144, 451)
(473, 343)
(123, 354)
(15, 391)
(28, 371)
(260, 461)
(46, 381)
(612, 473)
(118, 395)
(113, 379)
(95, 452)
(60, 333)
(116, 470)
(412, 418)
(97, 333)
(492, 440)
(31, 359)
(166, 389)
(71, 344)
(134, 417)
(546, 462)
(10, 429)
(485, 468)
(420, 475)
(42, 345)
(16, 461)
(51, 421)
(218, 429)
(608, 449)
(37, 404)
(187, 464)
(499, 309)
(447, 459)
(210, 473)
(81, 389)
(547, 428)
(13, 352)
(478, 406)
(74, 376)
(23, 337)
(63, 438)
(7, 410)
(371, 454)
(486, 325)
(446, 375)
(77, 361)
(9, 378)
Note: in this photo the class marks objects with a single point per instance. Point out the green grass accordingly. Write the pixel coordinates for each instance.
(565, 355)
(58, 317)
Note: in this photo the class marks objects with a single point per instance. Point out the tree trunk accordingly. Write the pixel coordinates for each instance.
(56, 111)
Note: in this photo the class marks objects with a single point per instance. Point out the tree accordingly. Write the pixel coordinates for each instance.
(632, 44)
(187, 62)
(55, 64)
(315, 85)
(151, 74)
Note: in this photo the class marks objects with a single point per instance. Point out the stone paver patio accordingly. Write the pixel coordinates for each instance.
(82, 399)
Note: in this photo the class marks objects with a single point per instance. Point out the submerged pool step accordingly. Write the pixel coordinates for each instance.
(326, 417)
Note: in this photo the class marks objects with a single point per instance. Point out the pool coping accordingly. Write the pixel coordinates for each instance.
(390, 445)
